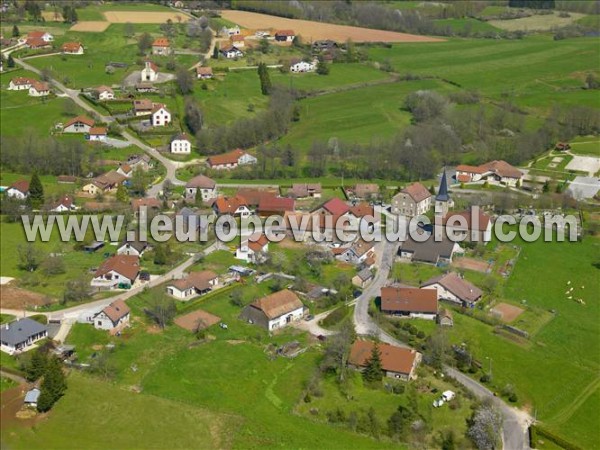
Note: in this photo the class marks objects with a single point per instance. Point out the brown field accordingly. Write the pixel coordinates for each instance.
(143, 17)
(190, 321)
(471, 264)
(51, 16)
(506, 312)
(15, 298)
(311, 31)
(92, 26)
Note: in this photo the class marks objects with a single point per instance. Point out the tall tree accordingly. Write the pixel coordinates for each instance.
(36, 366)
(485, 428)
(265, 79)
(193, 116)
(161, 309)
(122, 194)
(10, 62)
(322, 67)
(374, 372)
(30, 256)
(185, 81)
(15, 31)
(36, 191)
(53, 386)
(144, 43)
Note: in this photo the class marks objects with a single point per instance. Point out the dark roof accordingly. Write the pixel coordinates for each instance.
(460, 287)
(429, 250)
(442, 195)
(140, 246)
(365, 274)
(18, 331)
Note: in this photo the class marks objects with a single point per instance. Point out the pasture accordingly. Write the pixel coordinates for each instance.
(144, 16)
(537, 22)
(311, 31)
(586, 145)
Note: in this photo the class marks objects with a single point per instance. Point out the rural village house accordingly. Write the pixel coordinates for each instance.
(231, 52)
(274, 311)
(411, 201)
(142, 107)
(285, 35)
(39, 89)
(118, 270)
(19, 190)
(64, 204)
(362, 278)
(113, 317)
(104, 93)
(162, 47)
(181, 144)
(238, 41)
(305, 190)
(72, 48)
(233, 206)
(202, 184)
(445, 318)
(98, 133)
(79, 124)
(409, 302)
(270, 205)
(134, 248)
(125, 169)
(20, 84)
(20, 335)
(204, 73)
(364, 191)
(493, 172)
(193, 284)
(253, 249)
(452, 287)
(35, 43)
(430, 251)
(231, 160)
(474, 229)
(160, 115)
(396, 362)
(43, 35)
(299, 66)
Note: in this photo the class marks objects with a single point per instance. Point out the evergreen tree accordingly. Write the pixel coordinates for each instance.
(53, 387)
(215, 54)
(15, 31)
(373, 371)
(160, 257)
(265, 79)
(36, 191)
(322, 67)
(37, 365)
(10, 61)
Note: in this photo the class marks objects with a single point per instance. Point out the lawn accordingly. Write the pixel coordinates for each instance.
(6, 383)
(466, 24)
(586, 145)
(91, 407)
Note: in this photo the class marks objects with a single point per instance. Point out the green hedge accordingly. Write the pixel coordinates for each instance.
(536, 432)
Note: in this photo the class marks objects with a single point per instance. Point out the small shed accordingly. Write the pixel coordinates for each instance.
(93, 246)
(32, 397)
(445, 318)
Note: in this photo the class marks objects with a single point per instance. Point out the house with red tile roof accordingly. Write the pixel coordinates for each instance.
(20, 84)
(275, 206)
(118, 270)
(396, 362)
(113, 317)
(98, 133)
(35, 43)
(285, 35)
(204, 73)
(234, 206)
(79, 124)
(238, 40)
(498, 171)
(413, 200)
(104, 93)
(63, 204)
(19, 190)
(43, 35)
(160, 115)
(72, 48)
(334, 207)
(409, 302)
(39, 89)
(253, 249)
(231, 160)
(161, 46)
(142, 107)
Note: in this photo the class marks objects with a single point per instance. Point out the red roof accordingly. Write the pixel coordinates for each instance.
(229, 205)
(363, 209)
(158, 106)
(417, 192)
(257, 244)
(463, 178)
(204, 70)
(336, 206)
(37, 42)
(161, 42)
(237, 38)
(40, 86)
(65, 200)
(148, 202)
(502, 169)
(275, 204)
(71, 47)
(469, 169)
(231, 157)
(98, 131)
(402, 299)
(36, 34)
(125, 265)
(152, 65)
(21, 186)
(20, 81)
(83, 119)
(116, 310)
(201, 182)
(393, 359)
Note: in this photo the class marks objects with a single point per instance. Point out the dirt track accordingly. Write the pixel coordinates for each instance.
(311, 31)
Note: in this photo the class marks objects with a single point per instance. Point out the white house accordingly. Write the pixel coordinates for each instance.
(274, 311)
(298, 66)
(409, 302)
(194, 284)
(235, 206)
(204, 73)
(181, 144)
(20, 84)
(39, 89)
(202, 184)
(79, 124)
(72, 48)
(21, 335)
(453, 288)
(162, 47)
(253, 249)
(231, 52)
(231, 160)
(114, 317)
(135, 248)
(19, 190)
(43, 35)
(64, 204)
(160, 115)
(98, 134)
(285, 35)
(149, 72)
(104, 93)
(497, 171)
(116, 270)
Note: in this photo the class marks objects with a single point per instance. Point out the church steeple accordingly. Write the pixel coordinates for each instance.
(442, 199)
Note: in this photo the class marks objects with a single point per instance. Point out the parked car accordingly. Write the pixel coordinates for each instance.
(448, 395)
(437, 403)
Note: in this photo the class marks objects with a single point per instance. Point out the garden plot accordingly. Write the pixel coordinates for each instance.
(91, 26)
(195, 320)
(588, 164)
(506, 312)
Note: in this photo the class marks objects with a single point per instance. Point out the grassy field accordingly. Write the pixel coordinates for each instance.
(466, 24)
(537, 22)
(92, 407)
(586, 145)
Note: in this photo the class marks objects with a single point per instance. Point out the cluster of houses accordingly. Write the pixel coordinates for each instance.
(35, 88)
(232, 47)
(36, 40)
(85, 125)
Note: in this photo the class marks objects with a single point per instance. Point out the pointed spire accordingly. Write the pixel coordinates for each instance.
(442, 195)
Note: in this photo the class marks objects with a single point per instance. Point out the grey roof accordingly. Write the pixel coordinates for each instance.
(365, 274)
(19, 331)
(430, 250)
(32, 396)
(442, 195)
(139, 246)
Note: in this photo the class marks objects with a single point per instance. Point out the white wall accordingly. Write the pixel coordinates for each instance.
(281, 321)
